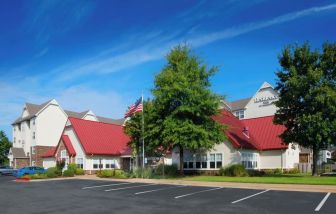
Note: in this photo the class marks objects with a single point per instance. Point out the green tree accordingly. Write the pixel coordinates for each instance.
(133, 128)
(5, 145)
(184, 105)
(307, 104)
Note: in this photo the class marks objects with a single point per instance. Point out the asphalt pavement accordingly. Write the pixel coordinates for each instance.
(91, 196)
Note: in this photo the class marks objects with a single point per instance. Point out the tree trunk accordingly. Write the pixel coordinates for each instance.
(181, 160)
(315, 158)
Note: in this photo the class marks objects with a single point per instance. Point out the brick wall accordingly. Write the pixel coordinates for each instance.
(39, 151)
(21, 162)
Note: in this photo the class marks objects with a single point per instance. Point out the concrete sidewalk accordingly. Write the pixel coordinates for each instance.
(281, 187)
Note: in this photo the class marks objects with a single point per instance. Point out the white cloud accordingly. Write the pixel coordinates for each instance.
(102, 103)
(157, 47)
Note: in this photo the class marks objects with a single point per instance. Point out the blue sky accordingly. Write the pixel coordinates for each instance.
(101, 55)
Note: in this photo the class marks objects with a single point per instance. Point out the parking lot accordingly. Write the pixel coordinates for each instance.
(90, 196)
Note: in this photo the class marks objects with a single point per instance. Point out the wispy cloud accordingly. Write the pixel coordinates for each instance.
(240, 30)
(156, 48)
(47, 19)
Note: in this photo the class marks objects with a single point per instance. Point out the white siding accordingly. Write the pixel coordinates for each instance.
(256, 108)
(49, 125)
(49, 162)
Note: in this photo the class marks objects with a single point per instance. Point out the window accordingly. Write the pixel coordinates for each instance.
(33, 150)
(204, 161)
(188, 161)
(219, 160)
(79, 162)
(33, 135)
(110, 164)
(14, 140)
(249, 160)
(22, 126)
(239, 114)
(63, 153)
(23, 143)
(212, 161)
(33, 122)
(95, 163)
(198, 161)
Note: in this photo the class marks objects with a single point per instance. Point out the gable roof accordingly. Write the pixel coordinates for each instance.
(265, 132)
(68, 145)
(49, 153)
(239, 104)
(18, 153)
(33, 109)
(234, 131)
(111, 121)
(99, 138)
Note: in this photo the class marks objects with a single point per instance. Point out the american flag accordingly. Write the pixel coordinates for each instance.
(134, 108)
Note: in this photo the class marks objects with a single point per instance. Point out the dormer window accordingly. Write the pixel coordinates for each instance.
(240, 114)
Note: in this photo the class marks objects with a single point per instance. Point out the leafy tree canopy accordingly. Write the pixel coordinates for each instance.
(5, 145)
(307, 104)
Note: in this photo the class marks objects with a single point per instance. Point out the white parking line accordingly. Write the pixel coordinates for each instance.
(105, 185)
(193, 193)
(233, 202)
(322, 202)
(108, 190)
(154, 190)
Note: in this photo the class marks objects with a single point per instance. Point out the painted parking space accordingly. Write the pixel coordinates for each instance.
(283, 202)
(155, 198)
(330, 204)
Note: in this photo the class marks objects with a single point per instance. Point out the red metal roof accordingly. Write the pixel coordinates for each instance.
(234, 132)
(50, 153)
(99, 138)
(68, 145)
(265, 132)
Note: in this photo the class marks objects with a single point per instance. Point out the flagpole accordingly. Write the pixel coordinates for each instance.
(143, 133)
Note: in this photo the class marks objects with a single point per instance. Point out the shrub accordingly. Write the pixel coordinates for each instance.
(114, 173)
(273, 171)
(255, 173)
(53, 172)
(105, 173)
(38, 176)
(236, 170)
(68, 173)
(140, 173)
(79, 171)
(169, 170)
(292, 171)
(118, 173)
(72, 166)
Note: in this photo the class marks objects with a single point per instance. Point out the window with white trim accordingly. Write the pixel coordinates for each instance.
(79, 163)
(33, 150)
(188, 162)
(249, 160)
(198, 161)
(204, 161)
(240, 114)
(110, 164)
(219, 160)
(34, 135)
(212, 161)
(63, 154)
(95, 163)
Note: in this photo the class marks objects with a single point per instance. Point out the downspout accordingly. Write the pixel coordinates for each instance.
(91, 164)
(282, 160)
